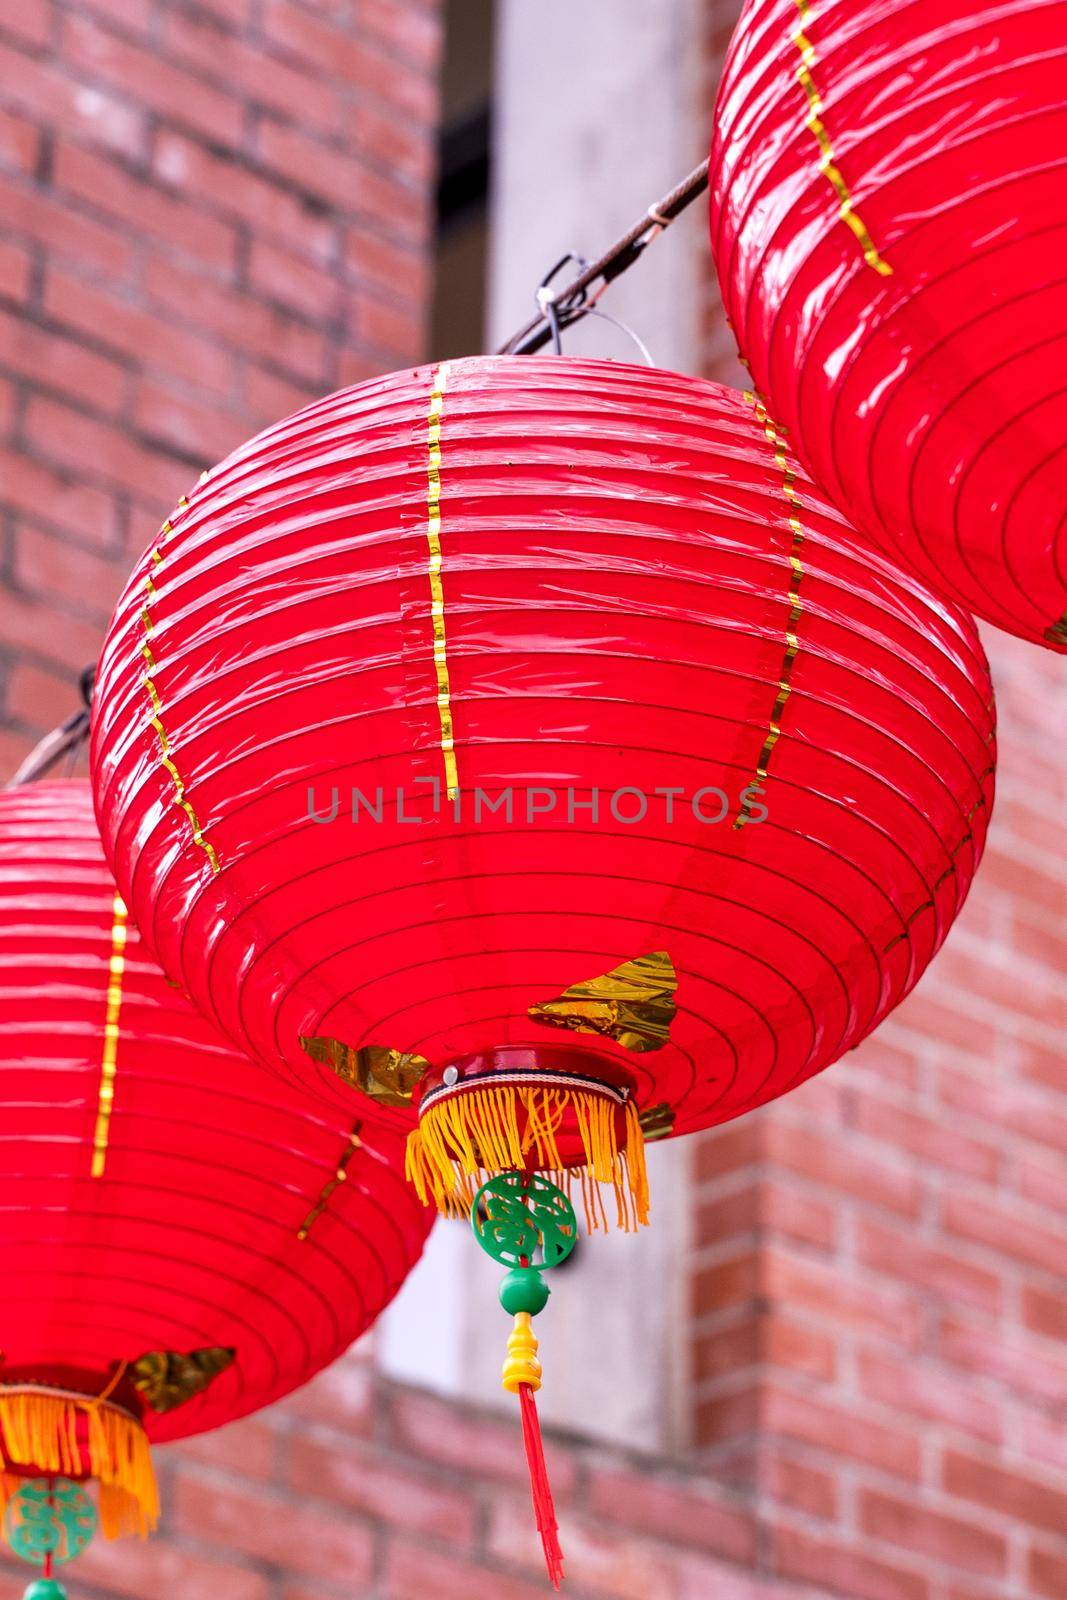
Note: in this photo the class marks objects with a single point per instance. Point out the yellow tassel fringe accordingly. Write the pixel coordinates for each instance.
(39, 1428)
(467, 1137)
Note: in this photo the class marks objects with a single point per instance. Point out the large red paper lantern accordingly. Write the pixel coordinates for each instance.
(185, 1239)
(889, 215)
(538, 587)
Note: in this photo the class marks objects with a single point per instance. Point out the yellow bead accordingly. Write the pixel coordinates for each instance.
(522, 1365)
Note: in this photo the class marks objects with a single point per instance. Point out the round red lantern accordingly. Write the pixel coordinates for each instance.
(528, 744)
(888, 217)
(186, 1240)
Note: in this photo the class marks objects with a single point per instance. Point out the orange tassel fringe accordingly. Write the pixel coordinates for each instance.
(44, 1429)
(467, 1137)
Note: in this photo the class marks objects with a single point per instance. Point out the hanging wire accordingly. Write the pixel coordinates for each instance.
(65, 740)
(577, 299)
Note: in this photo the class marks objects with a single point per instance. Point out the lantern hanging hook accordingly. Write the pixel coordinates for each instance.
(575, 300)
(65, 740)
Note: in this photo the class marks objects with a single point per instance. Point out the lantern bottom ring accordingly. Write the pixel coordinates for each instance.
(533, 1118)
(51, 1430)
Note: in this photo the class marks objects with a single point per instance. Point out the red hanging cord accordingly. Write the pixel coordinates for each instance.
(540, 1488)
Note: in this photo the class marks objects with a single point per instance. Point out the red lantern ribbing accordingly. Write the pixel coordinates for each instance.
(185, 1239)
(888, 220)
(529, 744)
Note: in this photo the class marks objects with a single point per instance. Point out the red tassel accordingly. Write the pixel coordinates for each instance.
(540, 1488)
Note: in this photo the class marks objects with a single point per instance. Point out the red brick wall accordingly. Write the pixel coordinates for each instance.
(209, 213)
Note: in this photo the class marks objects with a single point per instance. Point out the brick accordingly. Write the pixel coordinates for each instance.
(930, 1393)
(19, 142)
(730, 1148)
(181, 96)
(89, 514)
(1013, 1232)
(413, 1571)
(942, 1274)
(39, 698)
(414, 35)
(928, 1138)
(601, 1561)
(31, 22)
(840, 1569)
(342, 180)
(206, 43)
(342, 1395)
(193, 426)
(398, 268)
(365, 1481)
(238, 190)
(824, 1291)
(730, 1282)
(800, 1485)
(268, 398)
(271, 1528)
(105, 453)
(55, 569)
(840, 1162)
(386, 327)
(247, 1448)
(463, 1441)
(847, 1432)
(145, 207)
(947, 1540)
(1047, 1574)
(1028, 1368)
(1008, 1493)
(682, 1513)
(58, 361)
(282, 276)
(16, 268)
(357, 63)
(150, 1570)
(136, 334)
(44, 91)
(234, 318)
(70, 237)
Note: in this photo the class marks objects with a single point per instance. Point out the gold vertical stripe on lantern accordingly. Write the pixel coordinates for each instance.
(796, 607)
(340, 1176)
(156, 719)
(437, 593)
(827, 165)
(110, 1051)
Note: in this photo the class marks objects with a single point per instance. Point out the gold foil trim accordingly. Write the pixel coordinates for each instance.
(1057, 632)
(796, 608)
(388, 1076)
(340, 1176)
(437, 593)
(166, 1379)
(657, 1122)
(632, 1004)
(156, 719)
(827, 164)
(110, 1051)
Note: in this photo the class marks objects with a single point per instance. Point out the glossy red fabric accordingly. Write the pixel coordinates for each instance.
(189, 1238)
(930, 403)
(617, 565)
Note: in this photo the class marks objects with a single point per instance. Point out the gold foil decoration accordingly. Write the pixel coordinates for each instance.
(827, 165)
(657, 1121)
(1057, 633)
(110, 1051)
(388, 1076)
(437, 593)
(168, 1378)
(796, 607)
(340, 1176)
(633, 1004)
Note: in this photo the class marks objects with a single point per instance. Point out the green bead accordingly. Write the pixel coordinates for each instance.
(524, 1289)
(45, 1589)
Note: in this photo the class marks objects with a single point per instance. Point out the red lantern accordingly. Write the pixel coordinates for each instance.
(529, 744)
(888, 219)
(186, 1240)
